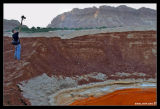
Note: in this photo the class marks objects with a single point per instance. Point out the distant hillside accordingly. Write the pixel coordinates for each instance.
(8, 25)
(105, 16)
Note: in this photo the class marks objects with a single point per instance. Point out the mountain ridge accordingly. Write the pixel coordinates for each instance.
(8, 25)
(105, 16)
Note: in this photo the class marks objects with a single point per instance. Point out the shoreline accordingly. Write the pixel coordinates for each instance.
(129, 96)
(96, 90)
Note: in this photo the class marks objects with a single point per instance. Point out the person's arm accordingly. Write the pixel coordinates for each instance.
(20, 26)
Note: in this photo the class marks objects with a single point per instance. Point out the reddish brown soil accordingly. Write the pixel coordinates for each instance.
(105, 53)
(132, 96)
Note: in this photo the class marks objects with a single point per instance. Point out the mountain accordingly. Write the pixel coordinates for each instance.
(10, 24)
(105, 16)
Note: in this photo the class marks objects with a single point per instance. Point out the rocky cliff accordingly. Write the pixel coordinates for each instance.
(117, 55)
(105, 16)
(10, 24)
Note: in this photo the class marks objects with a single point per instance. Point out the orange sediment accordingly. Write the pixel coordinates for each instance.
(131, 96)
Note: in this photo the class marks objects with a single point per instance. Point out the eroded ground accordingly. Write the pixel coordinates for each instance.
(83, 60)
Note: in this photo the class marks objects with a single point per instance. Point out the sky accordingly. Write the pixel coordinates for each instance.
(42, 14)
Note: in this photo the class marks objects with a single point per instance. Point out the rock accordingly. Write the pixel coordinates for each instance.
(107, 16)
(8, 25)
(39, 88)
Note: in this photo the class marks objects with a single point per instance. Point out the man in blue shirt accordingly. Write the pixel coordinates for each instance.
(17, 44)
(16, 41)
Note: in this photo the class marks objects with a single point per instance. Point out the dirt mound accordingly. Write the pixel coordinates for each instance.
(118, 55)
(133, 96)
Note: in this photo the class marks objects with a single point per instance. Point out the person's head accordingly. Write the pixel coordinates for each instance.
(14, 31)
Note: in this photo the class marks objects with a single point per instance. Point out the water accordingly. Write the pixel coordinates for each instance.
(146, 84)
(105, 88)
(124, 87)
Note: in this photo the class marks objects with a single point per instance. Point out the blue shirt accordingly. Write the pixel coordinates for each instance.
(15, 36)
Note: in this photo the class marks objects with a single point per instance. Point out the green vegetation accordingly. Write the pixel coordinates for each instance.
(39, 29)
(101, 27)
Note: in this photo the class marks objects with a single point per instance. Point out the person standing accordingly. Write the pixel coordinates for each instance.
(17, 44)
(16, 41)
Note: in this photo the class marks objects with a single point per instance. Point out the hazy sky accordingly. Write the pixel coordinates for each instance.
(42, 14)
